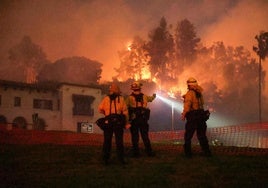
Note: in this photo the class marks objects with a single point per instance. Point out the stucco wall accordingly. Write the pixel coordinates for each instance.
(26, 108)
(60, 117)
(70, 121)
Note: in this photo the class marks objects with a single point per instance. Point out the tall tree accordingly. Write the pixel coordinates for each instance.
(262, 52)
(161, 50)
(134, 61)
(139, 57)
(243, 68)
(28, 58)
(186, 42)
(232, 76)
(125, 69)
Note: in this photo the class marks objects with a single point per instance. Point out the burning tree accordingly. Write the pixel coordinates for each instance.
(226, 73)
(161, 50)
(28, 58)
(134, 61)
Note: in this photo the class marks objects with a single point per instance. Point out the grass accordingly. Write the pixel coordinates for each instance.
(49, 165)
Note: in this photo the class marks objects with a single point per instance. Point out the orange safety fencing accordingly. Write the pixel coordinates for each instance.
(247, 135)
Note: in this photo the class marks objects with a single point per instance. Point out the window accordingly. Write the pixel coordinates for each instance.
(82, 105)
(17, 101)
(43, 104)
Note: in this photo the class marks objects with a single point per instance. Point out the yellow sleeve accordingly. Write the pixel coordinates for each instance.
(187, 103)
(150, 98)
(102, 106)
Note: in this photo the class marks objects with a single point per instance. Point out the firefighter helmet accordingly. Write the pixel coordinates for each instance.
(136, 85)
(191, 81)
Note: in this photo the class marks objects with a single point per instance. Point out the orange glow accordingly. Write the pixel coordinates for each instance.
(154, 79)
(129, 48)
(145, 74)
(172, 92)
(30, 75)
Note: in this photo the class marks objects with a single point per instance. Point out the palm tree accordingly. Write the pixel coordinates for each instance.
(262, 52)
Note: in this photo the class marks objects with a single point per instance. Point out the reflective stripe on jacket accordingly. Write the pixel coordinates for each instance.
(106, 105)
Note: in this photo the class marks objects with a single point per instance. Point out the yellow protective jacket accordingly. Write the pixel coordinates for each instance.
(191, 101)
(107, 106)
(142, 102)
(131, 101)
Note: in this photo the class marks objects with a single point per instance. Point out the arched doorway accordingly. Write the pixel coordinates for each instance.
(3, 120)
(19, 122)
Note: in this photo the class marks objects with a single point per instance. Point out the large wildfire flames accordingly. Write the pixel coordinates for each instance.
(218, 78)
(171, 90)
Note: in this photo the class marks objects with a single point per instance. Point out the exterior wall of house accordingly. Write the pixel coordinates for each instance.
(60, 117)
(70, 121)
(26, 109)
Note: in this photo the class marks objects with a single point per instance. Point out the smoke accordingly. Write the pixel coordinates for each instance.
(94, 29)
(240, 26)
(98, 29)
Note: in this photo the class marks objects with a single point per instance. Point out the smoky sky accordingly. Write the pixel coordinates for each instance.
(98, 29)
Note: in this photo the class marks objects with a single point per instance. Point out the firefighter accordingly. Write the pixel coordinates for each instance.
(114, 108)
(139, 115)
(193, 113)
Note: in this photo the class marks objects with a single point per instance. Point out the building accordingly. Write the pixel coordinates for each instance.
(50, 106)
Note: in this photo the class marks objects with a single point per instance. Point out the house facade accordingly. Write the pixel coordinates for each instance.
(61, 106)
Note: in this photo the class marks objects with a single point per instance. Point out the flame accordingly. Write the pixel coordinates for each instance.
(154, 79)
(146, 74)
(31, 74)
(171, 94)
(174, 91)
(129, 46)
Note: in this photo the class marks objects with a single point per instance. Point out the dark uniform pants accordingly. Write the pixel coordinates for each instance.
(140, 125)
(195, 123)
(107, 145)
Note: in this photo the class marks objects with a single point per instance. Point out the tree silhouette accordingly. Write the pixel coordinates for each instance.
(161, 50)
(28, 58)
(228, 75)
(262, 52)
(186, 42)
(79, 70)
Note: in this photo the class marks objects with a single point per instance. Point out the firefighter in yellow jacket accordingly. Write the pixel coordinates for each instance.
(193, 112)
(114, 108)
(139, 115)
